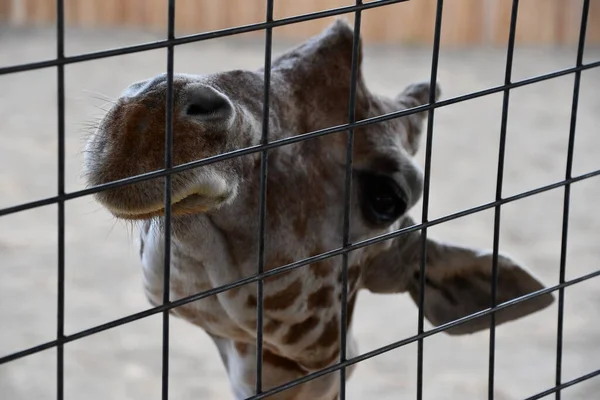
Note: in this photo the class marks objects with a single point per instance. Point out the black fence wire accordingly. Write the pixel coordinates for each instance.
(346, 246)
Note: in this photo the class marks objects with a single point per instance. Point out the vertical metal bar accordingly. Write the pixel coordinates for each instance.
(60, 307)
(263, 197)
(426, 186)
(168, 186)
(499, 182)
(567, 197)
(348, 194)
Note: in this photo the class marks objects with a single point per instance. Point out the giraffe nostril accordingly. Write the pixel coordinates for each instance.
(199, 109)
(202, 109)
(207, 103)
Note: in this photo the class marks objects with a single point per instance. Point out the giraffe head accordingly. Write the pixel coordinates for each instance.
(310, 87)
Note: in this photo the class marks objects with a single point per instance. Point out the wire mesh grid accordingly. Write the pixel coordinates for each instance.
(346, 246)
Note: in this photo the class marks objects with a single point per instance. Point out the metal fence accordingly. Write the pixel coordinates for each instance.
(269, 23)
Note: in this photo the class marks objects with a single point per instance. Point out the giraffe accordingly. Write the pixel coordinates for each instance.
(215, 211)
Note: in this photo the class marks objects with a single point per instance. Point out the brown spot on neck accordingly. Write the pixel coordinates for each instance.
(329, 339)
(321, 269)
(241, 348)
(231, 293)
(251, 301)
(285, 298)
(297, 331)
(272, 326)
(281, 362)
(321, 298)
(280, 300)
(330, 333)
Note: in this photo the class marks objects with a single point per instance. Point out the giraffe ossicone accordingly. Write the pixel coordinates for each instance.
(215, 211)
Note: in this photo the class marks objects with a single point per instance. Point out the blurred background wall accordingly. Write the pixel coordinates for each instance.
(466, 22)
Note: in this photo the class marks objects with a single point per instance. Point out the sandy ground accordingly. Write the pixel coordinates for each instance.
(103, 277)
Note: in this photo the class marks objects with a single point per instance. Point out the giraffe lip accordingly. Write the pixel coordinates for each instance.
(193, 203)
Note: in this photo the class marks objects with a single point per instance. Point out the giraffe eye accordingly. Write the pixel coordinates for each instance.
(383, 201)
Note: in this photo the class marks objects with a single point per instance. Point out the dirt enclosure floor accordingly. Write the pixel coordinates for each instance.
(103, 276)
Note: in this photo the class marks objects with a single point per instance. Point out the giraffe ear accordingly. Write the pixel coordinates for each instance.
(414, 95)
(324, 60)
(458, 282)
(417, 94)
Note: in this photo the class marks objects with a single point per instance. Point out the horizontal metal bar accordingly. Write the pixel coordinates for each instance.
(565, 385)
(287, 141)
(196, 37)
(298, 264)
